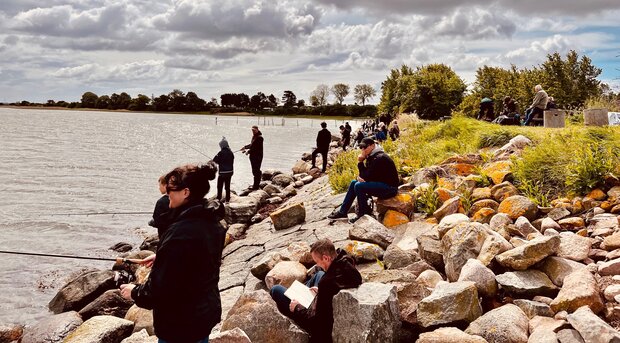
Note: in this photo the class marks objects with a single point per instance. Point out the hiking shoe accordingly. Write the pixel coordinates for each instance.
(337, 215)
(356, 218)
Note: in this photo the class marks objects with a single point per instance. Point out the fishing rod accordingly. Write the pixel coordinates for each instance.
(99, 213)
(117, 260)
(180, 141)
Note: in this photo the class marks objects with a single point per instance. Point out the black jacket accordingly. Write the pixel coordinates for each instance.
(379, 167)
(323, 139)
(256, 146)
(182, 288)
(225, 160)
(340, 275)
(159, 220)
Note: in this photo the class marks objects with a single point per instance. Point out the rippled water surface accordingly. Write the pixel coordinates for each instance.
(54, 163)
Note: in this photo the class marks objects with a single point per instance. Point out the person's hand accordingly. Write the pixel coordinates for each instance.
(359, 179)
(293, 305)
(361, 157)
(314, 290)
(148, 261)
(126, 290)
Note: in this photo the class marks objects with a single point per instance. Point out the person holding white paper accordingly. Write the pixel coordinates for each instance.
(340, 273)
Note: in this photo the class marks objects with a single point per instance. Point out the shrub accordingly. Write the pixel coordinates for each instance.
(427, 200)
(589, 167)
(343, 171)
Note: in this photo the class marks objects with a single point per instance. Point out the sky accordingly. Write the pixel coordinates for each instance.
(59, 49)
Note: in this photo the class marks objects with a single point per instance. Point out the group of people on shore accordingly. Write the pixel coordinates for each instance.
(510, 115)
(182, 288)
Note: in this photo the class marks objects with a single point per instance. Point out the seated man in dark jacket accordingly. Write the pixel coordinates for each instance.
(377, 177)
(340, 273)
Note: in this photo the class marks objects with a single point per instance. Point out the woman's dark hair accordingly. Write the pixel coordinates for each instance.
(194, 177)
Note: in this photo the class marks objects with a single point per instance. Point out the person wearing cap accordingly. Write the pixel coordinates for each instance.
(377, 177)
(255, 151)
(225, 160)
(322, 146)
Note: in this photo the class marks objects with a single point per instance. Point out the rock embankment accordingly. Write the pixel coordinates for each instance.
(487, 266)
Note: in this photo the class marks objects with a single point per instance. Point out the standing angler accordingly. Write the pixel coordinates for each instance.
(255, 151)
(322, 146)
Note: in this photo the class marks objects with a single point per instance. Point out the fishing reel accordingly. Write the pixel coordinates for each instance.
(122, 277)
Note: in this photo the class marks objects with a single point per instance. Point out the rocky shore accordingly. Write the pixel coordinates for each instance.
(488, 265)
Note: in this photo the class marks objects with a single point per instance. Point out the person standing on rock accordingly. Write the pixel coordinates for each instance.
(340, 273)
(346, 137)
(377, 177)
(255, 151)
(225, 159)
(182, 288)
(323, 139)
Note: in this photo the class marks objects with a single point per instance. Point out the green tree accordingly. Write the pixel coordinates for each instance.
(364, 92)
(340, 91)
(194, 103)
(273, 101)
(103, 102)
(319, 95)
(140, 103)
(89, 99)
(178, 100)
(390, 94)
(289, 99)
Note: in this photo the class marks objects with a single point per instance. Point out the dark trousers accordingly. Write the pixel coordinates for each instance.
(361, 191)
(323, 153)
(223, 180)
(531, 114)
(277, 293)
(256, 162)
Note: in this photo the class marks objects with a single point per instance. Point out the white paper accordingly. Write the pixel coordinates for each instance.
(300, 292)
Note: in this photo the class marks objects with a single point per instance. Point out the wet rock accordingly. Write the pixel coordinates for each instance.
(557, 268)
(369, 313)
(282, 180)
(368, 229)
(272, 327)
(121, 247)
(521, 258)
(483, 277)
(459, 244)
(109, 303)
(82, 290)
(527, 283)
(284, 273)
(288, 216)
(141, 318)
(533, 308)
(506, 324)
(235, 335)
(450, 303)
(592, 328)
(103, 329)
(150, 243)
(517, 205)
(579, 289)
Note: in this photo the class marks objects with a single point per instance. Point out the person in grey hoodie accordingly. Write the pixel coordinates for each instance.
(225, 160)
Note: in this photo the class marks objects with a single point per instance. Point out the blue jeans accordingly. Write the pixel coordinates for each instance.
(361, 191)
(531, 113)
(204, 340)
(277, 292)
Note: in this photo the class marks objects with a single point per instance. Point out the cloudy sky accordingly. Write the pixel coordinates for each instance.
(58, 49)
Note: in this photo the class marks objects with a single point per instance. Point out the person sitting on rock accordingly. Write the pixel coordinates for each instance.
(377, 177)
(538, 106)
(340, 273)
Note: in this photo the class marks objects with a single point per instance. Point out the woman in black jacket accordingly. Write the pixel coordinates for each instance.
(182, 288)
(225, 160)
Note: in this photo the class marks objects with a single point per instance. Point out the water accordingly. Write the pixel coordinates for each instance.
(56, 162)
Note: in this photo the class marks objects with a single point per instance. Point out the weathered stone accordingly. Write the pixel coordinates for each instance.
(369, 313)
(429, 278)
(393, 218)
(461, 243)
(272, 189)
(430, 249)
(235, 335)
(499, 221)
(282, 180)
(103, 329)
(284, 273)
(574, 247)
(557, 268)
(506, 324)
(485, 203)
(503, 190)
(481, 193)
(109, 303)
(493, 245)
(82, 290)
(611, 292)
(611, 242)
(558, 213)
(450, 303)
(569, 336)
(521, 258)
(524, 227)
(288, 216)
(403, 203)
(597, 194)
(549, 224)
(592, 328)
(498, 171)
(482, 276)
(142, 319)
(609, 268)
(241, 210)
(448, 222)
(518, 205)
(362, 251)
(52, 329)
(449, 335)
(572, 223)
(427, 175)
(272, 327)
(404, 249)
(579, 289)
(141, 337)
(542, 329)
(451, 206)
(533, 308)
(484, 215)
(527, 283)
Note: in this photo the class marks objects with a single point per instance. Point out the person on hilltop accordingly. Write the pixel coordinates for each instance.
(346, 137)
(538, 106)
(255, 151)
(323, 138)
(225, 160)
(377, 177)
(340, 273)
(182, 288)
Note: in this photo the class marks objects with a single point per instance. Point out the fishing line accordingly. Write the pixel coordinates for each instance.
(118, 259)
(98, 213)
(189, 146)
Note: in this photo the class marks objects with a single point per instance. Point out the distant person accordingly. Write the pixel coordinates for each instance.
(255, 151)
(538, 106)
(161, 208)
(182, 288)
(486, 112)
(323, 139)
(394, 131)
(346, 137)
(359, 135)
(340, 273)
(377, 177)
(225, 160)
(381, 135)
(348, 127)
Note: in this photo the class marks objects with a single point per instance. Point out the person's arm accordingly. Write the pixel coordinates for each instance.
(537, 99)
(217, 158)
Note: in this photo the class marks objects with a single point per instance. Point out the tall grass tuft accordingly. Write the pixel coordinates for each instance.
(343, 171)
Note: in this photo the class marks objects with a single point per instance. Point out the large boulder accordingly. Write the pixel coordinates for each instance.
(52, 329)
(82, 290)
(526, 255)
(517, 205)
(368, 229)
(102, 329)
(449, 335)
(367, 314)
(461, 243)
(272, 327)
(592, 328)
(288, 216)
(579, 289)
(506, 324)
(450, 206)
(431, 250)
(450, 221)
(450, 304)
(284, 273)
(526, 283)
(393, 218)
(141, 318)
(573, 246)
(402, 202)
(109, 303)
(241, 210)
(483, 277)
(404, 249)
(282, 180)
(409, 297)
(557, 268)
